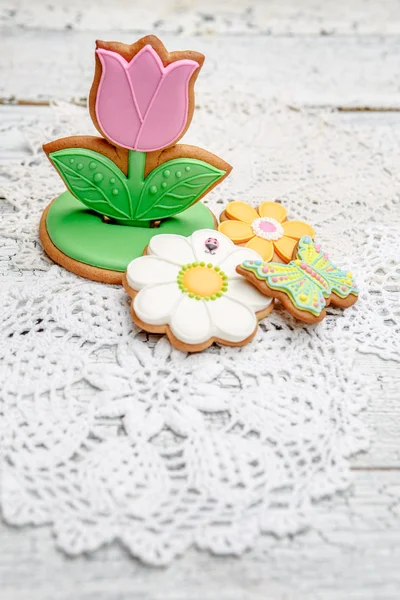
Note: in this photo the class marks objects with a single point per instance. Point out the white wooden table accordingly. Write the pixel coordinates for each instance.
(344, 55)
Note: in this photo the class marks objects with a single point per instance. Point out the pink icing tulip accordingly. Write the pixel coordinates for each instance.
(142, 105)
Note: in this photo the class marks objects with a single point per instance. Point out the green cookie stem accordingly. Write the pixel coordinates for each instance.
(135, 182)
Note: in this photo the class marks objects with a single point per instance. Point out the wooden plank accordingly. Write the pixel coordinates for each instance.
(353, 554)
(190, 17)
(13, 121)
(382, 416)
(301, 71)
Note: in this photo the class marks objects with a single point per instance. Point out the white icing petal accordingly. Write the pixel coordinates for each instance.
(190, 322)
(156, 303)
(245, 293)
(204, 248)
(172, 248)
(232, 321)
(149, 270)
(235, 258)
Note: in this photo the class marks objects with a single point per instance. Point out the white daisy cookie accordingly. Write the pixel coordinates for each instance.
(188, 288)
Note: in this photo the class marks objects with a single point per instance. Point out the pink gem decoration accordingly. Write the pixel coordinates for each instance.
(142, 105)
(275, 279)
(265, 269)
(266, 226)
(317, 247)
(316, 304)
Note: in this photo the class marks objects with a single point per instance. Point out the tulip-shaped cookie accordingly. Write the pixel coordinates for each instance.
(142, 102)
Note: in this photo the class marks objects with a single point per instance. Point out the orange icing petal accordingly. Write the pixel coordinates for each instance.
(265, 248)
(273, 210)
(284, 247)
(296, 229)
(237, 231)
(241, 211)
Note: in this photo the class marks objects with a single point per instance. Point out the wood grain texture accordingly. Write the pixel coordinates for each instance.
(205, 17)
(353, 554)
(309, 53)
(347, 71)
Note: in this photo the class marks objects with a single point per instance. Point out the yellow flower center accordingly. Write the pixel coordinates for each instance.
(202, 281)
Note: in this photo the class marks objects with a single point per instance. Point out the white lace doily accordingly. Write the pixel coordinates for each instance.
(109, 434)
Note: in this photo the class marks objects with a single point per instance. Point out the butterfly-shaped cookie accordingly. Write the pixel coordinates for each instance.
(306, 285)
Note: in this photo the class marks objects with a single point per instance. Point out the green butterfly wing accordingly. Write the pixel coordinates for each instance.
(305, 292)
(341, 282)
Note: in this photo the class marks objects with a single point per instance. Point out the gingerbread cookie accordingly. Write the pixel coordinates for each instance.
(306, 285)
(264, 230)
(135, 181)
(188, 288)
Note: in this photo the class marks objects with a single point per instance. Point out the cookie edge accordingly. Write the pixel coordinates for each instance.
(283, 298)
(77, 267)
(174, 341)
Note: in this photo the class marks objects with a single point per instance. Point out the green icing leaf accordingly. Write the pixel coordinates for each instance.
(173, 187)
(95, 180)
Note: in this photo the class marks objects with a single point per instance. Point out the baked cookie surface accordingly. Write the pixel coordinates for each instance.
(136, 181)
(188, 288)
(306, 285)
(265, 230)
(83, 242)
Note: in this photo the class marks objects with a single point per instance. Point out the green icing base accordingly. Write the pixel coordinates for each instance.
(83, 235)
